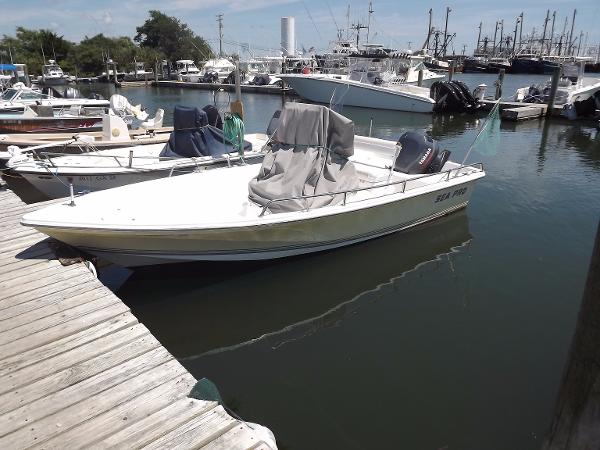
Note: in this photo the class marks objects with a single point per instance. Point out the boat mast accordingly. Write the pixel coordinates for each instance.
(515, 38)
(478, 37)
(544, 33)
(551, 33)
(571, 34)
(446, 29)
(501, 34)
(495, 33)
(220, 20)
(521, 33)
(426, 44)
(369, 20)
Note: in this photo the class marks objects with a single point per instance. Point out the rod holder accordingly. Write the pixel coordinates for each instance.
(370, 126)
(130, 158)
(71, 195)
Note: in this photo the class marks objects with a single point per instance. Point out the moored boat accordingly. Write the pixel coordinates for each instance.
(319, 188)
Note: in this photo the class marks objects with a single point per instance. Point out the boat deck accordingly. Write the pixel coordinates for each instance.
(77, 370)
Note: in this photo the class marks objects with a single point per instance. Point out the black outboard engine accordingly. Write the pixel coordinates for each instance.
(210, 77)
(261, 80)
(419, 154)
(452, 96)
(71, 92)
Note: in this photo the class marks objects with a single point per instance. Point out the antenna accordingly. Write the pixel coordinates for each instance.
(220, 21)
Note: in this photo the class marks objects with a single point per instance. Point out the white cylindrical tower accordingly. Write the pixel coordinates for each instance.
(288, 36)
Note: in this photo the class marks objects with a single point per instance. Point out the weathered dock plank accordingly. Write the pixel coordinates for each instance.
(77, 370)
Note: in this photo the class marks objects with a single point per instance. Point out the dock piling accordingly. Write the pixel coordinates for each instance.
(553, 89)
(451, 71)
(499, 83)
(420, 79)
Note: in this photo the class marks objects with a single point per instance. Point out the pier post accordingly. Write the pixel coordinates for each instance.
(577, 410)
(420, 79)
(553, 89)
(237, 107)
(499, 83)
(451, 71)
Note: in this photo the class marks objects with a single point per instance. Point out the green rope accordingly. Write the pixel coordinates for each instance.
(233, 130)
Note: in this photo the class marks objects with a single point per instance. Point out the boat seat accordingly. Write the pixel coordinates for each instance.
(155, 122)
(43, 110)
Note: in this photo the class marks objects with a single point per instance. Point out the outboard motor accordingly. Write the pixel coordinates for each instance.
(419, 154)
(452, 96)
(71, 92)
(210, 77)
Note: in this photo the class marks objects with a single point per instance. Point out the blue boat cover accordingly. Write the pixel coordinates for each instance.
(193, 136)
(8, 67)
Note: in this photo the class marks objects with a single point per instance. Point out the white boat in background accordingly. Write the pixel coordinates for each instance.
(52, 75)
(220, 67)
(573, 89)
(139, 73)
(187, 71)
(187, 150)
(319, 188)
(15, 98)
(365, 89)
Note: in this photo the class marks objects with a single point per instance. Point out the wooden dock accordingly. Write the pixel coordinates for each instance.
(77, 370)
(517, 111)
(273, 90)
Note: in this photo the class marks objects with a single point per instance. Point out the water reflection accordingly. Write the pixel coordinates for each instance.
(195, 308)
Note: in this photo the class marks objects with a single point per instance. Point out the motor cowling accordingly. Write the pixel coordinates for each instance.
(419, 154)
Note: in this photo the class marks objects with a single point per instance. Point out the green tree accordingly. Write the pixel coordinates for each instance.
(30, 46)
(174, 39)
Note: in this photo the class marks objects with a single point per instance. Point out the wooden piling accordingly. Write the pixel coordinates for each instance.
(420, 79)
(553, 89)
(451, 71)
(499, 84)
(237, 107)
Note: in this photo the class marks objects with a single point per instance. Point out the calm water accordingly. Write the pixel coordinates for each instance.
(451, 335)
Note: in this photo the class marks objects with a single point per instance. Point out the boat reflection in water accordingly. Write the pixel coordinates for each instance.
(206, 307)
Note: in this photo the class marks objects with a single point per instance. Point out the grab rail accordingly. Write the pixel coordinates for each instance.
(446, 177)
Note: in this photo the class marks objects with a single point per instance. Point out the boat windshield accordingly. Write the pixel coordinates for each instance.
(31, 95)
(9, 94)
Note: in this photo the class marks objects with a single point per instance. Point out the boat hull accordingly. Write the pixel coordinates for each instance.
(50, 124)
(323, 90)
(269, 240)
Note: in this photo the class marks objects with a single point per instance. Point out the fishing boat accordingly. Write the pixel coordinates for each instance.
(361, 88)
(319, 187)
(52, 75)
(217, 70)
(186, 70)
(194, 145)
(575, 92)
(14, 99)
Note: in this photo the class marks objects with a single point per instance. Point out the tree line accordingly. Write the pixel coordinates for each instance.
(160, 37)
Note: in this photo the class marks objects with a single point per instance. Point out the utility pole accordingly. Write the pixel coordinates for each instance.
(478, 37)
(369, 20)
(571, 34)
(220, 20)
(446, 29)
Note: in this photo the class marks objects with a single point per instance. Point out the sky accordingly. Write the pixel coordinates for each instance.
(257, 22)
